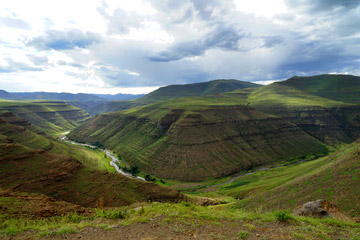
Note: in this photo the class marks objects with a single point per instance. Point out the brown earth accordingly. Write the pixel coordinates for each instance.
(156, 229)
(32, 205)
(65, 178)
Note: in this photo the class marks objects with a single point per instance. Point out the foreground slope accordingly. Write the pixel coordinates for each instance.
(31, 162)
(50, 116)
(197, 141)
(334, 178)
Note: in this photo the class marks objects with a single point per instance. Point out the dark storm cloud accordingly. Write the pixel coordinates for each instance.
(14, 23)
(13, 66)
(225, 38)
(59, 40)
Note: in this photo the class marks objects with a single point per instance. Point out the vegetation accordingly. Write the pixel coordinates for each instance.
(52, 117)
(239, 223)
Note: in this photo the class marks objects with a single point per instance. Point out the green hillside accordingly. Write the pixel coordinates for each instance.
(332, 122)
(334, 178)
(167, 93)
(195, 89)
(345, 88)
(51, 117)
(197, 141)
(198, 137)
(31, 162)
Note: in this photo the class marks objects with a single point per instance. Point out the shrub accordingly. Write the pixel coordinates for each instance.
(243, 234)
(283, 215)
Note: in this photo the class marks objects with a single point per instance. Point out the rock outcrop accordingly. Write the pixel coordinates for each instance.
(321, 208)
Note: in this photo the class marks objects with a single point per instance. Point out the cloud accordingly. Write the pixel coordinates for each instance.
(323, 5)
(61, 40)
(13, 66)
(225, 38)
(14, 23)
(38, 60)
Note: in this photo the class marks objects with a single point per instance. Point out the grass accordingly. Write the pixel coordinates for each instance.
(186, 214)
(51, 117)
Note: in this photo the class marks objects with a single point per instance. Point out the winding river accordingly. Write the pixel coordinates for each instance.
(113, 162)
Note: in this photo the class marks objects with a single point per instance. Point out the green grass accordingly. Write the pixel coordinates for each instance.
(344, 88)
(51, 117)
(187, 214)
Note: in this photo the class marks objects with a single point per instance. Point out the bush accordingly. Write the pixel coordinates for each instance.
(134, 169)
(148, 178)
(283, 215)
(243, 234)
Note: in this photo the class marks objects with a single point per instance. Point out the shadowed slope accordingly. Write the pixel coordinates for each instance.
(28, 163)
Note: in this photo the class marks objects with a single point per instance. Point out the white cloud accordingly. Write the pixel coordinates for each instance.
(138, 45)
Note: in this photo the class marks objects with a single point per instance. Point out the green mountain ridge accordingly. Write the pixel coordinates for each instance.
(190, 138)
(51, 117)
(168, 93)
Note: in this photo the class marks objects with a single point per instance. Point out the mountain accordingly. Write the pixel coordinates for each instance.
(344, 88)
(120, 96)
(194, 138)
(194, 142)
(195, 89)
(49, 96)
(79, 97)
(32, 162)
(166, 93)
(331, 121)
(49, 116)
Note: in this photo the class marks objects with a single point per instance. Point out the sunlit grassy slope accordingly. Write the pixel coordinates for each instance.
(335, 178)
(195, 89)
(344, 88)
(166, 93)
(51, 117)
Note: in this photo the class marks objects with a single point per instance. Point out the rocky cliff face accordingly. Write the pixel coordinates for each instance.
(332, 126)
(199, 144)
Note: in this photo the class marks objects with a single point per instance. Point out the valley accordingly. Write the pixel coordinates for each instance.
(214, 154)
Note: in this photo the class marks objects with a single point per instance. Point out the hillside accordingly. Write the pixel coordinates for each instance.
(38, 163)
(344, 88)
(51, 117)
(198, 141)
(334, 178)
(330, 121)
(49, 96)
(195, 89)
(195, 138)
(165, 93)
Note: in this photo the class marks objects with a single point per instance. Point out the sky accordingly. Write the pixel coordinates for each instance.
(118, 46)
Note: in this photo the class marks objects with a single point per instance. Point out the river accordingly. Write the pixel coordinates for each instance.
(113, 161)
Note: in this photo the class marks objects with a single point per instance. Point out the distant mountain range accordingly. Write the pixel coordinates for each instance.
(65, 96)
